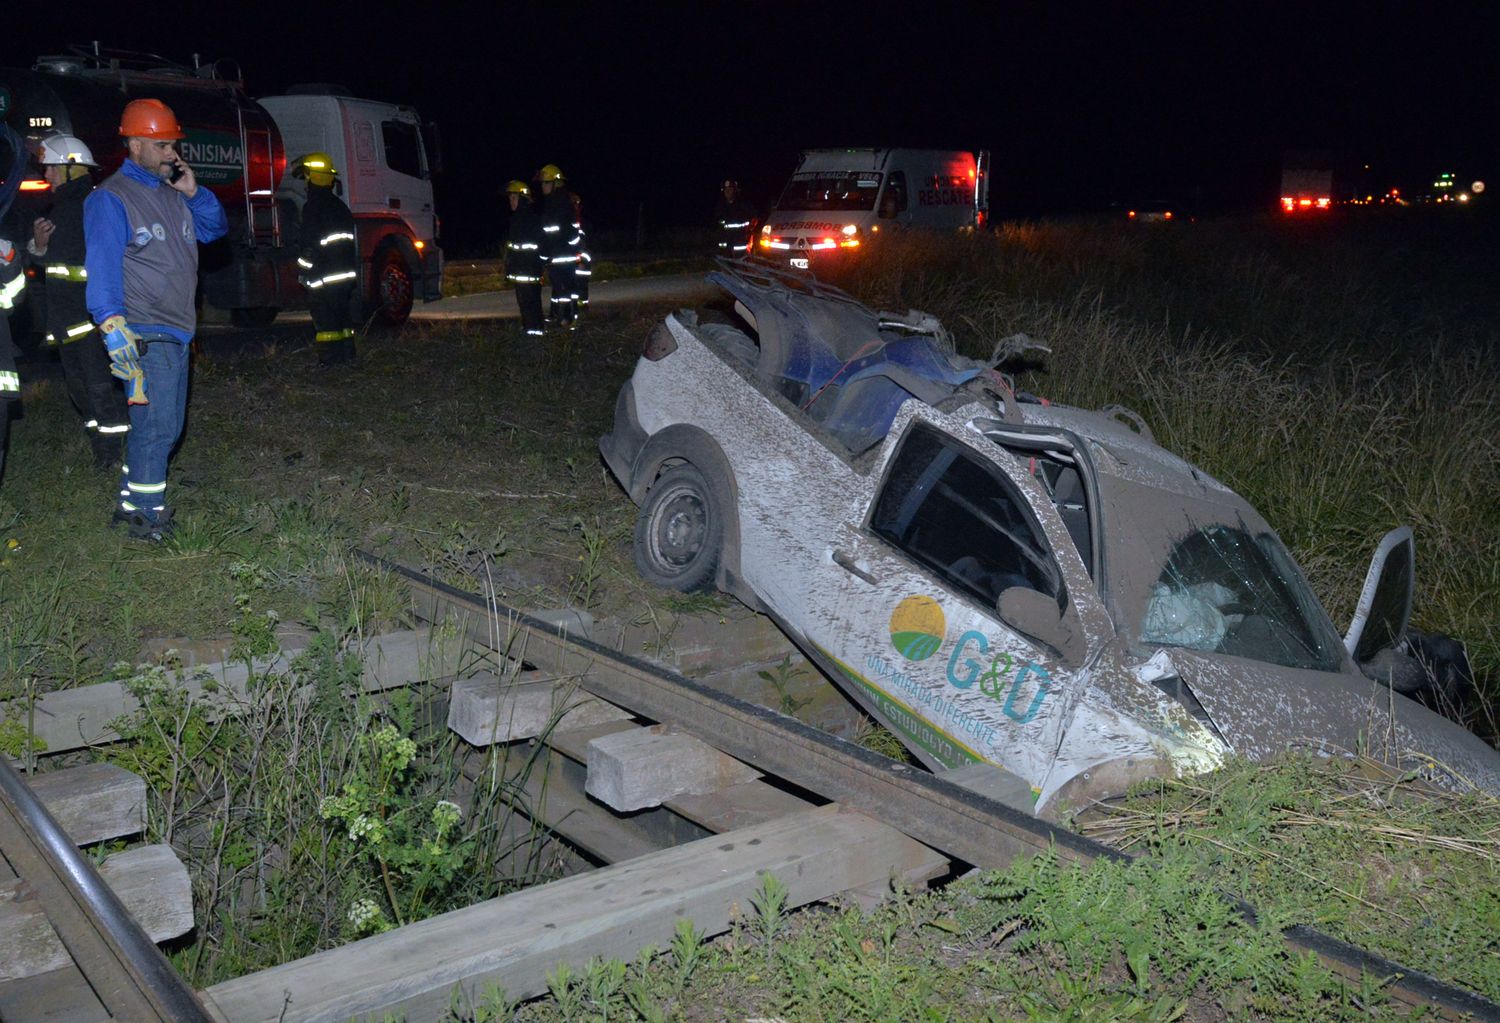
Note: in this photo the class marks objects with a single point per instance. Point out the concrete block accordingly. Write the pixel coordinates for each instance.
(486, 710)
(636, 769)
(93, 802)
(413, 655)
(150, 881)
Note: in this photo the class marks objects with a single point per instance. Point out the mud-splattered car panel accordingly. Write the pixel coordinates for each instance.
(1035, 587)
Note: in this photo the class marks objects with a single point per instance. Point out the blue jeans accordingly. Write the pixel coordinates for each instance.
(156, 426)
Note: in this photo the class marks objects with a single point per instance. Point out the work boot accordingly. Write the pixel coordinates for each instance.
(142, 525)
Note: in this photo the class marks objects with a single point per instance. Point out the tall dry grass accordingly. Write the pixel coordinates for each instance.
(1290, 367)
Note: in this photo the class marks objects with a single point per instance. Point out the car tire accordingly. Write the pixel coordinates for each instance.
(394, 287)
(680, 531)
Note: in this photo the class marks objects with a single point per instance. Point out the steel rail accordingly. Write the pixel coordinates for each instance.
(128, 973)
(946, 816)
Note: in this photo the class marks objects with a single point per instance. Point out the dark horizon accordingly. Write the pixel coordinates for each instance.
(648, 109)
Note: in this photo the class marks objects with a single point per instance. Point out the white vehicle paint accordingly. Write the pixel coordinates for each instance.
(860, 557)
(840, 200)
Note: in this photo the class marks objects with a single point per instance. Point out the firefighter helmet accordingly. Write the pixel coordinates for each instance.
(317, 168)
(517, 188)
(551, 172)
(60, 150)
(150, 119)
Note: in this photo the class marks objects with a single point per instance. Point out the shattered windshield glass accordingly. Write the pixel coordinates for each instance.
(1210, 577)
(854, 190)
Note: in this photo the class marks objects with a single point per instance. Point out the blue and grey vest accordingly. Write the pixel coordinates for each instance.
(161, 258)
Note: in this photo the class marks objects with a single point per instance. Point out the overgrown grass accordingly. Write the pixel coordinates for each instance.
(1345, 846)
(1307, 371)
(1042, 940)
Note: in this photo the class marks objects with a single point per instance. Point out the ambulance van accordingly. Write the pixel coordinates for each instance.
(839, 201)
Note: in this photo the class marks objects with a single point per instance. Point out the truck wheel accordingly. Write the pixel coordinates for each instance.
(393, 288)
(680, 531)
(253, 316)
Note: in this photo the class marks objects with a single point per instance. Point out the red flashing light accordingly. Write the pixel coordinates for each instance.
(34, 185)
(1323, 202)
(1304, 202)
(1132, 214)
(1168, 215)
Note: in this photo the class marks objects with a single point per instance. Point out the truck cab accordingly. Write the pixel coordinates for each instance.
(240, 147)
(386, 178)
(839, 201)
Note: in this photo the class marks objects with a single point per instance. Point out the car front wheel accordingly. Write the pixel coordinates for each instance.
(680, 531)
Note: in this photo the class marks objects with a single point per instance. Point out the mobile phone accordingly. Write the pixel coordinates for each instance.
(176, 172)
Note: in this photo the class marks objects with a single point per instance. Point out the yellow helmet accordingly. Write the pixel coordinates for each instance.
(551, 172)
(317, 168)
(517, 188)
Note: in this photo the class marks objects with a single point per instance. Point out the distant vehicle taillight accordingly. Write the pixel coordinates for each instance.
(1167, 215)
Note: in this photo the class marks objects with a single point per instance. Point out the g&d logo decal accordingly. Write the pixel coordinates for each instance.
(917, 627)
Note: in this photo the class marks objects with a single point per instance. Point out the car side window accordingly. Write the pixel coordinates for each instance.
(893, 201)
(961, 518)
(403, 148)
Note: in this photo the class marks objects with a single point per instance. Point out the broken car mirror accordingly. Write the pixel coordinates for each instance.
(1384, 607)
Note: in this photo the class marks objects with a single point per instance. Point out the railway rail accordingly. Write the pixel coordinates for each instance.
(966, 824)
(884, 817)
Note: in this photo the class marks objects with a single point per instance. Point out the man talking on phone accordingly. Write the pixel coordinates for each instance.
(142, 227)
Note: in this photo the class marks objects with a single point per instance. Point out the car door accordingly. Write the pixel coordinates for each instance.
(949, 524)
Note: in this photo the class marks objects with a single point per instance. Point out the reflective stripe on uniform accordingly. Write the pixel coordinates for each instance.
(523, 279)
(8, 292)
(581, 272)
(552, 228)
(337, 236)
(10, 381)
(346, 275)
(77, 331)
(739, 223)
(535, 333)
(147, 488)
(564, 259)
(334, 335)
(67, 273)
(121, 428)
(304, 264)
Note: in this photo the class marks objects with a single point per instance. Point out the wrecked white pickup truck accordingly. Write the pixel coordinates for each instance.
(994, 578)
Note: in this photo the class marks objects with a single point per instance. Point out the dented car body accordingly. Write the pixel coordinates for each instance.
(997, 580)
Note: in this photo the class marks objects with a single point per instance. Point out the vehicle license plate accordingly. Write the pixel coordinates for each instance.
(799, 263)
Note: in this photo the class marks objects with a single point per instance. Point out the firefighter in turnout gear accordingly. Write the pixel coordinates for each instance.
(523, 256)
(734, 221)
(12, 275)
(56, 248)
(329, 260)
(141, 230)
(583, 270)
(561, 244)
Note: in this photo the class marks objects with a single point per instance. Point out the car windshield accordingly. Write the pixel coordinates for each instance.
(830, 190)
(1209, 576)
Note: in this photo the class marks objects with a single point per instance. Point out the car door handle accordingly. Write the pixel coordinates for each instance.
(848, 563)
(393, 202)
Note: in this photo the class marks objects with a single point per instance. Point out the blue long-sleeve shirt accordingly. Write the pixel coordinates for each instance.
(108, 231)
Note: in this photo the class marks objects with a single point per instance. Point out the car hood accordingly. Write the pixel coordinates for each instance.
(1261, 709)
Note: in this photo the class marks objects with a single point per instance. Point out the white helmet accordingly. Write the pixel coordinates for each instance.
(66, 149)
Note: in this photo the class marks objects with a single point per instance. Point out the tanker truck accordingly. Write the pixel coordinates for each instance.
(239, 148)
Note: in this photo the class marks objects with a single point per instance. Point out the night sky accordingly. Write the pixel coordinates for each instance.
(649, 105)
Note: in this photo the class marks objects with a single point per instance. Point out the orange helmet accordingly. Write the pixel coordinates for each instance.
(150, 119)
